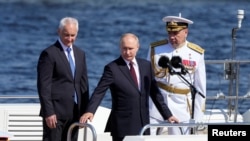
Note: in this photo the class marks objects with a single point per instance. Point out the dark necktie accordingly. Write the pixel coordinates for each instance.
(72, 67)
(133, 74)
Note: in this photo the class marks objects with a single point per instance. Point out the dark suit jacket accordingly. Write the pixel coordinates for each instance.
(56, 84)
(130, 110)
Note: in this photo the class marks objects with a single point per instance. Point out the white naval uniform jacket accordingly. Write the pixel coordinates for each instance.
(193, 59)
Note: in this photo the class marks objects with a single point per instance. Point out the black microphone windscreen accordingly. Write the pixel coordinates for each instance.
(163, 61)
(176, 61)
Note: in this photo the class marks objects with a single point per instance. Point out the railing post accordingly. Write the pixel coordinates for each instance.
(85, 125)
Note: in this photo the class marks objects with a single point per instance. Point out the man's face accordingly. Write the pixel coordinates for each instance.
(129, 48)
(176, 38)
(68, 34)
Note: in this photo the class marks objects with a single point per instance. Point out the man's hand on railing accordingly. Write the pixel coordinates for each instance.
(173, 119)
(86, 116)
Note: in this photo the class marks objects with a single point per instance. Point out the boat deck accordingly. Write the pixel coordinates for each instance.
(22, 121)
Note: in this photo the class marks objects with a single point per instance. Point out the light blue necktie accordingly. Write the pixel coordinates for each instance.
(72, 67)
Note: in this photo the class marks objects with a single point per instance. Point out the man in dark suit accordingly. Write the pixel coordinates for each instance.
(62, 83)
(130, 98)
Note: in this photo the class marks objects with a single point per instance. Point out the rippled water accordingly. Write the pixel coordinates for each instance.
(27, 28)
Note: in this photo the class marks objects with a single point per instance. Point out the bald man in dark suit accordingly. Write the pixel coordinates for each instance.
(130, 106)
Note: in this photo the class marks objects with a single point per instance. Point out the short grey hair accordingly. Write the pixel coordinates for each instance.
(67, 20)
(129, 34)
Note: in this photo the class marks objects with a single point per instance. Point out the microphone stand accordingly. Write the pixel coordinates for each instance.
(193, 91)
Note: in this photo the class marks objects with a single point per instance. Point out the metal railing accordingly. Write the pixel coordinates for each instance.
(231, 72)
(19, 97)
(82, 125)
(191, 125)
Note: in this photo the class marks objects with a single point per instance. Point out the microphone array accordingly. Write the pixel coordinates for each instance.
(175, 62)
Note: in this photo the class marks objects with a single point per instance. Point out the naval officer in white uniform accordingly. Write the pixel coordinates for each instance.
(191, 67)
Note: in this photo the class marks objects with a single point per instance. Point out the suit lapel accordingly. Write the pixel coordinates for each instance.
(125, 70)
(76, 59)
(141, 72)
(64, 57)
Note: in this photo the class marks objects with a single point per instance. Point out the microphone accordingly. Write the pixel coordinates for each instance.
(165, 63)
(240, 16)
(176, 62)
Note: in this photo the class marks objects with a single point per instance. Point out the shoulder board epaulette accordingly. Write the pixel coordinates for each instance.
(196, 48)
(158, 43)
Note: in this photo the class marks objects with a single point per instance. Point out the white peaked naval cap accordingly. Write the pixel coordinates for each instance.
(176, 23)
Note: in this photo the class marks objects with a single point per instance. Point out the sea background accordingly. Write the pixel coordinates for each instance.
(29, 26)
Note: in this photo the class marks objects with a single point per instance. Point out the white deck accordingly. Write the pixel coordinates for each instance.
(167, 138)
(23, 122)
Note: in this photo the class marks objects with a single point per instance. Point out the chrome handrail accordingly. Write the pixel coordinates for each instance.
(19, 96)
(191, 125)
(227, 61)
(85, 125)
(232, 72)
(218, 96)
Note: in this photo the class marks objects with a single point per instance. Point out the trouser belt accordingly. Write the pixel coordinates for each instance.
(173, 89)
